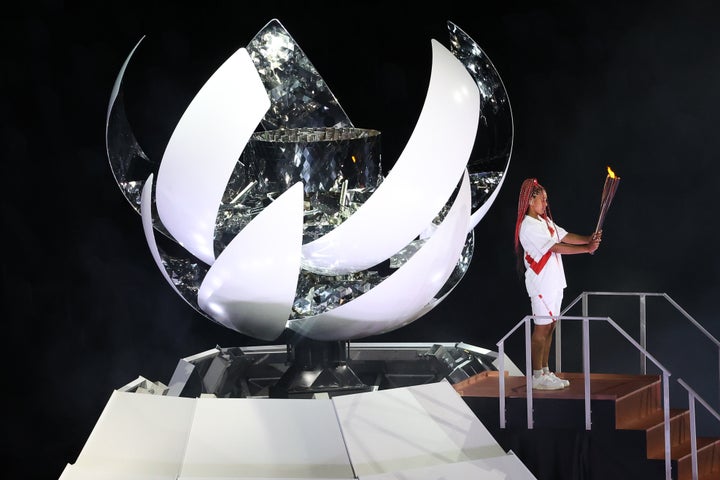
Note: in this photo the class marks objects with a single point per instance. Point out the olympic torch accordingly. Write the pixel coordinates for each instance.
(611, 184)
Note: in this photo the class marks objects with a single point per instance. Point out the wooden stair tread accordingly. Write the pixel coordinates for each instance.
(654, 419)
(682, 450)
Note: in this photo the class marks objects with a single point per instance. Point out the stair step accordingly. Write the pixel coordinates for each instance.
(650, 420)
(642, 402)
(679, 451)
(708, 461)
(708, 457)
(679, 432)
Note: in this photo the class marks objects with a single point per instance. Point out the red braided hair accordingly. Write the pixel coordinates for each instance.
(529, 189)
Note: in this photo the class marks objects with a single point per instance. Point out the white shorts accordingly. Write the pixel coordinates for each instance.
(546, 305)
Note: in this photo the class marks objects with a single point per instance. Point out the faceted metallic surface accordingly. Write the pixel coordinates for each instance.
(339, 167)
(300, 97)
(483, 184)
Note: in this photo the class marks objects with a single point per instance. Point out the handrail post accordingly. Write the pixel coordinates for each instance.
(666, 415)
(501, 380)
(693, 439)
(692, 399)
(558, 345)
(528, 374)
(586, 369)
(643, 333)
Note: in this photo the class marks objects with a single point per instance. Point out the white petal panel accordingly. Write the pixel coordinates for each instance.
(396, 301)
(251, 286)
(204, 149)
(420, 182)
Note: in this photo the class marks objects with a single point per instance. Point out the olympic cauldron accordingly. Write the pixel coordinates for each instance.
(269, 212)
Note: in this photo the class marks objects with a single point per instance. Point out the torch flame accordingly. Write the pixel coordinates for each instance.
(611, 183)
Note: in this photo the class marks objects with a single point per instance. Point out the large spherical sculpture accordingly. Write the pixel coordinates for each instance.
(278, 202)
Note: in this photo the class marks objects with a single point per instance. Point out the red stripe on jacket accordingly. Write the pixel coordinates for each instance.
(538, 266)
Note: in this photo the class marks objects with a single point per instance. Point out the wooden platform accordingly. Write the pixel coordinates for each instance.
(603, 386)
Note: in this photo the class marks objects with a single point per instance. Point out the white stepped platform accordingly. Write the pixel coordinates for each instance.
(422, 432)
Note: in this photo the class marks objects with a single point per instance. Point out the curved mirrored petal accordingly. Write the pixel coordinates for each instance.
(490, 158)
(458, 273)
(321, 293)
(184, 271)
(146, 212)
(397, 300)
(299, 96)
(492, 149)
(420, 182)
(203, 151)
(461, 268)
(251, 286)
(128, 162)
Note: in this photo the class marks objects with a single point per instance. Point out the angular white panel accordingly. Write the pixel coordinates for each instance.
(420, 182)
(405, 428)
(251, 286)
(268, 438)
(203, 150)
(396, 300)
(75, 472)
(508, 467)
(137, 436)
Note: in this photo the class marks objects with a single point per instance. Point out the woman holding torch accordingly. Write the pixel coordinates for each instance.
(543, 245)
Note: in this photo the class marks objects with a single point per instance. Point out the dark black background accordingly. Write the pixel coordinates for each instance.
(631, 85)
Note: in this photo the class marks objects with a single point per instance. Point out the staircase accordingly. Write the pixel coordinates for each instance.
(642, 410)
(631, 402)
(618, 413)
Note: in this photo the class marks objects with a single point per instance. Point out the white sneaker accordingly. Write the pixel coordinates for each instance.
(546, 382)
(565, 383)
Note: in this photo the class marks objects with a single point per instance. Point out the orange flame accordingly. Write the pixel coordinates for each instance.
(611, 174)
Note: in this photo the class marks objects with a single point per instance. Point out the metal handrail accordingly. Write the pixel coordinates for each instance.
(643, 324)
(692, 397)
(586, 374)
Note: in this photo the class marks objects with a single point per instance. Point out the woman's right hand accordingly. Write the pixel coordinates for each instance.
(595, 240)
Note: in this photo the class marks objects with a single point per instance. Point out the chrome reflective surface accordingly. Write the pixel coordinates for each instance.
(490, 159)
